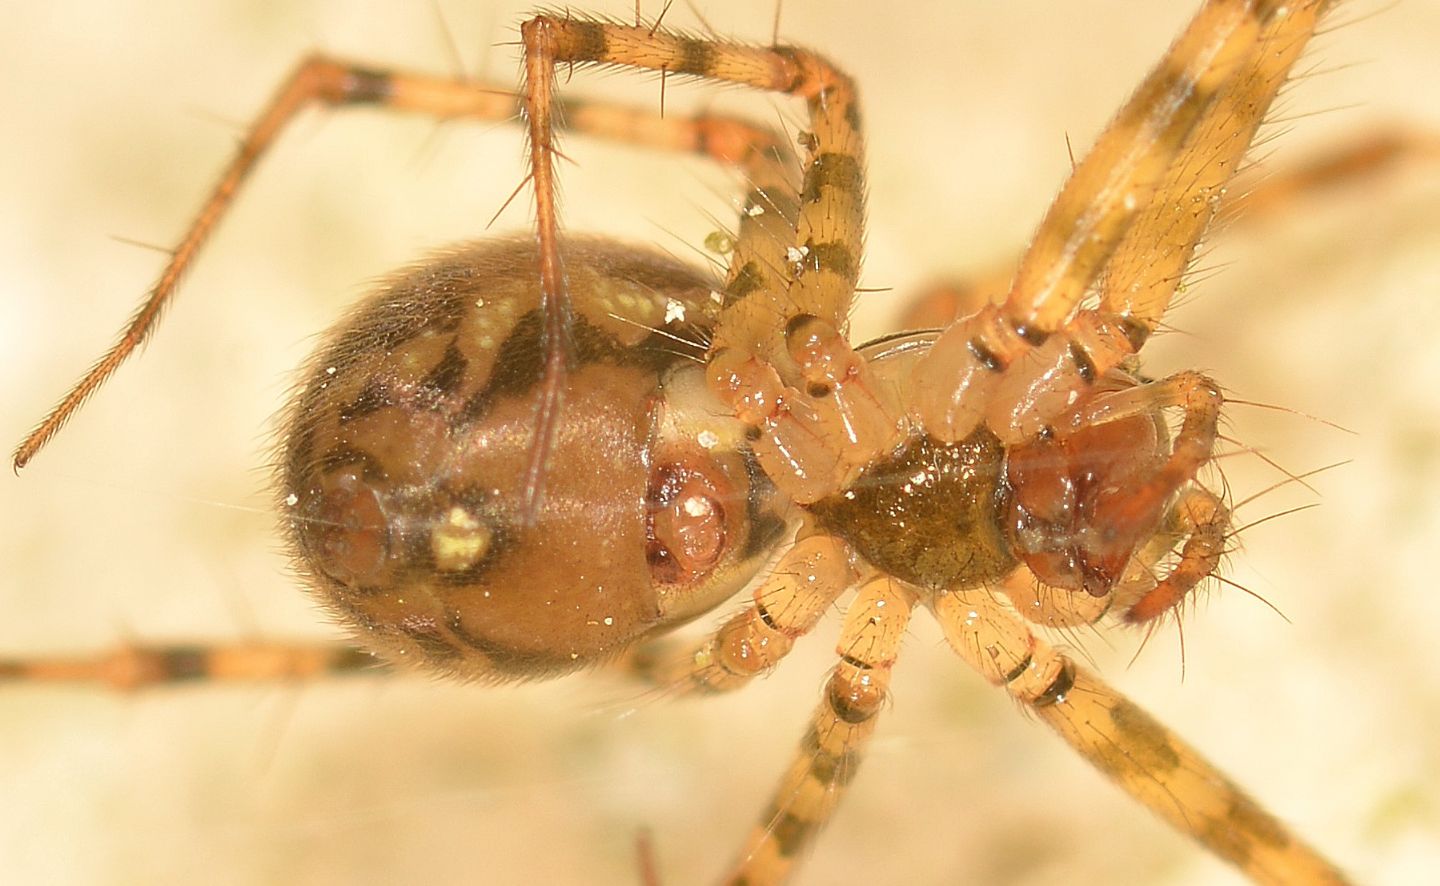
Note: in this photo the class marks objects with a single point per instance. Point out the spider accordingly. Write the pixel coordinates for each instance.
(1195, 667)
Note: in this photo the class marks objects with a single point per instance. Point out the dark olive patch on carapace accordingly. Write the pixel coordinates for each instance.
(929, 514)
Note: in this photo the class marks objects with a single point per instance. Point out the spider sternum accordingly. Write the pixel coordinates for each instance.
(930, 514)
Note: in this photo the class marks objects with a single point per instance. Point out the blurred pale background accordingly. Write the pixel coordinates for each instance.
(147, 517)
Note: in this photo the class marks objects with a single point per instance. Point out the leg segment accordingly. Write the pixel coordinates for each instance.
(1153, 765)
(320, 80)
(1231, 59)
(831, 214)
(140, 667)
(1359, 161)
(1179, 137)
(1151, 258)
(787, 605)
(1138, 753)
(942, 303)
(763, 363)
(1051, 607)
(830, 753)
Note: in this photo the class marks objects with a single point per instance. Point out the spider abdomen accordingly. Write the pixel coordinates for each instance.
(403, 465)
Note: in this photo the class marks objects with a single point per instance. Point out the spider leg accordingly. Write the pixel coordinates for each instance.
(790, 373)
(539, 88)
(137, 666)
(1139, 754)
(829, 755)
(944, 301)
(787, 605)
(1366, 158)
(1041, 604)
(1211, 90)
(801, 587)
(330, 82)
(1150, 259)
(941, 303)
(1208, 94)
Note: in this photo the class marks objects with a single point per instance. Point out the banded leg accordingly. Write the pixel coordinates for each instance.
(1151, 258)
(1051, 607)
(1213, 87)
(1139, 754)
(329, 82)
(786, 606)
(948, 300)
(133, 667)
(1364, 159)
(1207, 94)
(788, 373)
(829, 755)
(831, 214)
